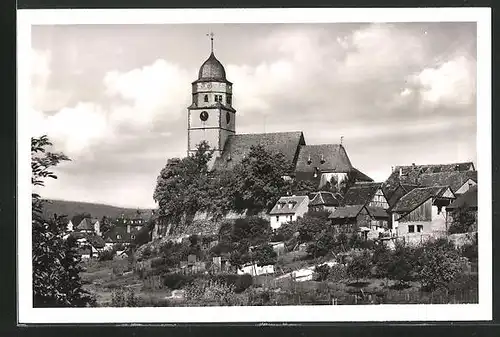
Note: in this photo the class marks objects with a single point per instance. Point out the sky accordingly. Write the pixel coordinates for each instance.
(114, 98)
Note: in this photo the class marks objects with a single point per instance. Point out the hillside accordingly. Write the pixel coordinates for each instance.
(71, 208)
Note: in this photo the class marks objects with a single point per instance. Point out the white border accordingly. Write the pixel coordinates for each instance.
(469, 312)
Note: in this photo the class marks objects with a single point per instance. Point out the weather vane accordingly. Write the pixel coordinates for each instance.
(341, 139)
(211, 41)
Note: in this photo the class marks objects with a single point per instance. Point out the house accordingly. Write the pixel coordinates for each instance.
(411, 174)
(370, 221)
(69, 226)
(394, 193)
(89, 240)
(132, 224)
(459, 181)
(118, 234)
(288, 209)
(422, 210)
(323, 201)
(371, 196)
(466, 201)
(89, 225)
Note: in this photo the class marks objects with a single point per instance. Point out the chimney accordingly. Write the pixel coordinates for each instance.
(400, 171)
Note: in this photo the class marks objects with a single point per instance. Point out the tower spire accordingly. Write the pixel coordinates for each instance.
(211, 41)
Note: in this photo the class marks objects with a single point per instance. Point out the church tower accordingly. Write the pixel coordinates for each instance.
(211, 116)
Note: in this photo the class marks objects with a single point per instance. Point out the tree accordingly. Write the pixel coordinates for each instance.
(439, 264)
(259, 179)
(359, 267)
(311, 225)
(264, 255)
(463, 220)
(381, 259)
(105, 224)
(251, 231)
(323, 245)
(402, 264)
(303, 187)
(56, 264)
(182, 187)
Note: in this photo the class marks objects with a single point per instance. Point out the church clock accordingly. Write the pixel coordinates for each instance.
(204, 116)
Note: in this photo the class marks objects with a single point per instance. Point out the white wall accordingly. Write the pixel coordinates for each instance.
(278, 220)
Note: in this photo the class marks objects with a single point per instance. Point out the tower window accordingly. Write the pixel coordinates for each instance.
(228, 99)
(204, 116)
(218, 98)
(206, 98)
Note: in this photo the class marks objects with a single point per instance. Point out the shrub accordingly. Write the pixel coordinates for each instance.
(107, 255)
(359, 267)
(158, 262)
(176, 280)
(118, 298)
(243, 282)
(402, 265)
(321, 272)
(337, 273)
(440, 262)
(203, 292)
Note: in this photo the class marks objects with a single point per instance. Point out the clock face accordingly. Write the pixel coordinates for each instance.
(204, 116)
(228, 117)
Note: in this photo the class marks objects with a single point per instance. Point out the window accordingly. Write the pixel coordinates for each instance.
(205, 98)
(411, 229)
(291, 217)
(277, 218)
(118, 236)
(420, 228)
(218, 98)
(228, 99)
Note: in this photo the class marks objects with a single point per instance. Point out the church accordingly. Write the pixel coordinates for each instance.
(212, 118)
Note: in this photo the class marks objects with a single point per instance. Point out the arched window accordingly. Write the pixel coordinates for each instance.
(206, 98)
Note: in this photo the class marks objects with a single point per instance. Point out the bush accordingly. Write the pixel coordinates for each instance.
(107, 255)
(359, 267)
(158, 262)
(440, 263)
(321, 272)
(176, 280)
(239, 282)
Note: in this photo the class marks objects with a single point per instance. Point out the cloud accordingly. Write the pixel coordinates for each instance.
(154, 90)
(451, 83)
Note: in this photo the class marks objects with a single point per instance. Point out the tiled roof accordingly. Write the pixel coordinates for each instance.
(453, 179)
(86, 224)
(282, 207)
(117, 234)
(96, 241)
(468, 199)
(323, 198)
(346, 212)
(237, 146)
(361, 193)
(377, 212)
(326, 157)
(396, 194)
(360, 176)
(416, 197)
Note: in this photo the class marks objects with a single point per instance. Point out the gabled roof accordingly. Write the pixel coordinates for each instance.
(360, 176)
(395, 194)
(237, 146)
(282, 206)
(378, 212)
(361, 193)
(113, 233)
(86, 224)
(323, 198)
(468, 200)
(436, 168)
(96, 241)
(326, 157)
(454, 179)
(346, 212)
(417, 197)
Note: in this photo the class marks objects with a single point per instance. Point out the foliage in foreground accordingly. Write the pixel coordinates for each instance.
(56, 263)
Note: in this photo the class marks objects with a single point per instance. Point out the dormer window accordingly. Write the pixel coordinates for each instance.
(205, 98)
(309, 161)
(290, 205)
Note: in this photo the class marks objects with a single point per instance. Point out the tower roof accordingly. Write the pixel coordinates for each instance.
(212, 70)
